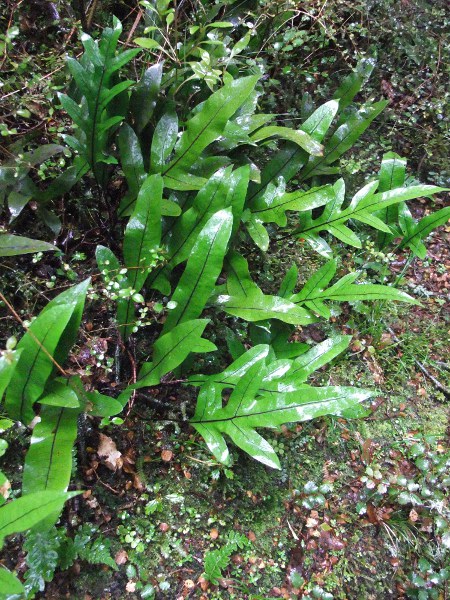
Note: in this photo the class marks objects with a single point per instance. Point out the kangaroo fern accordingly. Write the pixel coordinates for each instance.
(363, 207)
(99, 111)
(247, 409)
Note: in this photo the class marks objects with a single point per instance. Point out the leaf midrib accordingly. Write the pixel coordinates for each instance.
(275, 208)
(266, 412)
(343, 216)
(24, 515)
(55, 432)
(202, 130)
(202, 270)
(155, 365)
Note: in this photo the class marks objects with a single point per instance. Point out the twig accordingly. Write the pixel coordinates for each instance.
(27, 329)
(107, 486)
(437, 384)
(90, 15)
(133, 27)
(203, 462)
(442, 364)
(134, 371)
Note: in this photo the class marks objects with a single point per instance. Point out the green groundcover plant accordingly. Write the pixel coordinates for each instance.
(204, 184)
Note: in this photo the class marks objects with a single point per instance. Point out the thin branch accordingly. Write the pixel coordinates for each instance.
(28, 330)
(437, 384)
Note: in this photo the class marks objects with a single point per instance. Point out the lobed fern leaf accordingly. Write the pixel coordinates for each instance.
(217, 560)
(266, 393)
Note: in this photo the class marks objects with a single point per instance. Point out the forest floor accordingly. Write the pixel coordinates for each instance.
(350, 515)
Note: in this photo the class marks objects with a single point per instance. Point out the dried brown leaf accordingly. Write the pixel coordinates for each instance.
(107, 451)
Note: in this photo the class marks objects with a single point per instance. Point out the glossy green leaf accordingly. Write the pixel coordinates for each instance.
(48, 462)
(62, 184)
(17, 202)
(184, 181)
(272, 208)
(51, 334)
(289, 282)
(60, 395)
(220, 25)
(283, 375)
(344, 137)
(234, 343)
(392, 175)
(315, 291)
(407, 224)
(141, 242)
(346, 235)
(100, 405)
(239, 281)
(214, 196)
(94, 403)
(206, 165)
(107, 262)
(164, 139)
(298, 136)
(234, 372)
(281, 345)
(50, 219)
(353, 82)
(419, 231)
(383, 199)
(239, 128)
(238, 186)
(132, 163)
(35, 366)
(316, 283)
(285, 164)
(75, 297)
(240, 45)
(26, 512)
(202, 270)
(169, 208)
(309, 294)
(171, 349)
(42, 153)
(257, 231)
(3, 448)
(366, 291)
(392, 172)
(12, 245)
(147, 43)
(5, 424)
(290, 159)
(245, 411)
(207, 125)
(8, 363)
(313, 402)
(9, 584)
(317, 357)
(257, 306)
(320, 121)
(104, 102)
(362, 208)
(144, 96)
